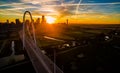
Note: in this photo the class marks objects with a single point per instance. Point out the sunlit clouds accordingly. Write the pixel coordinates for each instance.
(75, 10)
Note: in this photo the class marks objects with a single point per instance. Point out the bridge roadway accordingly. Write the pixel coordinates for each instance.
(41, 63)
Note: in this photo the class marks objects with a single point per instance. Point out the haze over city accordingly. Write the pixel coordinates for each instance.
(77, 11)
(59, 36)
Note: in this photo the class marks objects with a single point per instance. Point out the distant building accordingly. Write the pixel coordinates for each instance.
(67, 21)
(43, 20)
(12, 23)
(38, 21)
(7, 22)
(43, 24)
(17, 21)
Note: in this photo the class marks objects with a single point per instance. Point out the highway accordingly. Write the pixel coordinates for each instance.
(41, 62)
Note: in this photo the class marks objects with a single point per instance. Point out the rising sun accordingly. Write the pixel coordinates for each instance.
(50, 20)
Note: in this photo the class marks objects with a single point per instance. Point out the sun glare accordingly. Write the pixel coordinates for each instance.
(50, 20)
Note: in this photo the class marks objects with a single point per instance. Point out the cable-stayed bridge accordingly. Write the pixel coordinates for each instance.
(41, 63)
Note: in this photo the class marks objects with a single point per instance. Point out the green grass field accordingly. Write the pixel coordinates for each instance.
(75, 32)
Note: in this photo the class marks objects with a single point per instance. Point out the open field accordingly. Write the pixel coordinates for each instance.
(92, 51)
(76, 32)
(77, 49)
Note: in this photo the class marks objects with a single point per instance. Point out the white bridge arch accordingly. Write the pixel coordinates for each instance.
(41, 63)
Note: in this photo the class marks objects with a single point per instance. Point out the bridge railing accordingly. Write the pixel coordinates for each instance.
(40, 61)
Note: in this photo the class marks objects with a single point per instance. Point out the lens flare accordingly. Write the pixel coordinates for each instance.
(50, 20)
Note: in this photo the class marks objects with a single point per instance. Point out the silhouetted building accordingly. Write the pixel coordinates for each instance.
(12, 23)
(17, 21)
(7, 22)
(67, 21)
(38, 21)
(43, 20)
(43, 24)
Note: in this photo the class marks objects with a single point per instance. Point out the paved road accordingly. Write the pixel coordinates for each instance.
(41, 62)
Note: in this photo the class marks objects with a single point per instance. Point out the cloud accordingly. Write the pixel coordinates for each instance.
(13, 7)
(11, 4)
(57, 7)
(38, 1)
(9, 1)
(9, 12)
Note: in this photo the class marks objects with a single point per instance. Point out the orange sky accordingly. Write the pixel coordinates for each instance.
(80, 12)
(82, 19)
(87, 13)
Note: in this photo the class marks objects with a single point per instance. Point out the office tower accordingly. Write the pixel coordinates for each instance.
(17, 21)
(37, 21)
(43, 20)
(67, 21)
(43, 24)
(7, 22)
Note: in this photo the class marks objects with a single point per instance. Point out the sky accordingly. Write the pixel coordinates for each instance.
(76, 11)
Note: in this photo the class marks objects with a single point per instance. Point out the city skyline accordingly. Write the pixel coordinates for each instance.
(77, 11)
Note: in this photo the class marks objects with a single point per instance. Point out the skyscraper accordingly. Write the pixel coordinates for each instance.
(43, 20)
(38, 21)
(7, 22)
(67, 21)
(17, 21)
